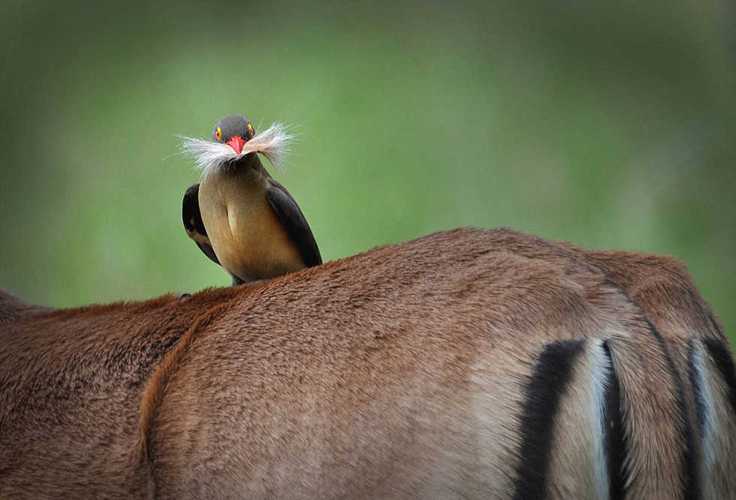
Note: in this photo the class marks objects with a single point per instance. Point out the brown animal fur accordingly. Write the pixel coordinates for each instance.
(401, 372)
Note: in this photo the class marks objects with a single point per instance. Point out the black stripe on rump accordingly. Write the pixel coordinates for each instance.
(546, 386)
(613, 433)
(690, 484)
(722, 357)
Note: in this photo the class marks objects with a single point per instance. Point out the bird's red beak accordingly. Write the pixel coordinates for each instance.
(236, 142)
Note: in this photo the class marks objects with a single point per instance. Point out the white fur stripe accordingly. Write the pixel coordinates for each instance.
(705, 394)
(712, 442)
(579, 466)
(600, 374)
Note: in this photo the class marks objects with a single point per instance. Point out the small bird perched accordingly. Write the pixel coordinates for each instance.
(238, 215)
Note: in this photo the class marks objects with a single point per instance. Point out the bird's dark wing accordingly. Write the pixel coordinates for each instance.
(193, 224)
(292, 218)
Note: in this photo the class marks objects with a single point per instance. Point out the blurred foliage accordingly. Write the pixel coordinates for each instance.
(609, 124)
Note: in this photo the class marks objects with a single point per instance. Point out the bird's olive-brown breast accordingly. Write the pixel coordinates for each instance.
(245, 233)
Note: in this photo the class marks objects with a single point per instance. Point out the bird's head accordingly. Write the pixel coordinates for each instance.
(234, 131)
(235, 138)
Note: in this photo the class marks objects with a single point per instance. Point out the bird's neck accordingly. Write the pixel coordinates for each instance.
(248, 170)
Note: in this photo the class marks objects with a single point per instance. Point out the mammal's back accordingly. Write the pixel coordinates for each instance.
(464, 364)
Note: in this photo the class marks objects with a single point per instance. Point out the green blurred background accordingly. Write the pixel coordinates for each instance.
(609, 124)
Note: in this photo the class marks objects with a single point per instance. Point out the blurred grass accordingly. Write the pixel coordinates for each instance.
(609, 125)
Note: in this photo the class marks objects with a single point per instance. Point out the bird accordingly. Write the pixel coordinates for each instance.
(240, 216)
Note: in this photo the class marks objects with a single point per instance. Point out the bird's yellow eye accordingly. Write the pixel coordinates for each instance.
(218, 133)
(251, 130)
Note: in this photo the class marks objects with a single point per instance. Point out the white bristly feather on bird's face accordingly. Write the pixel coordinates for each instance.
(273, 143)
